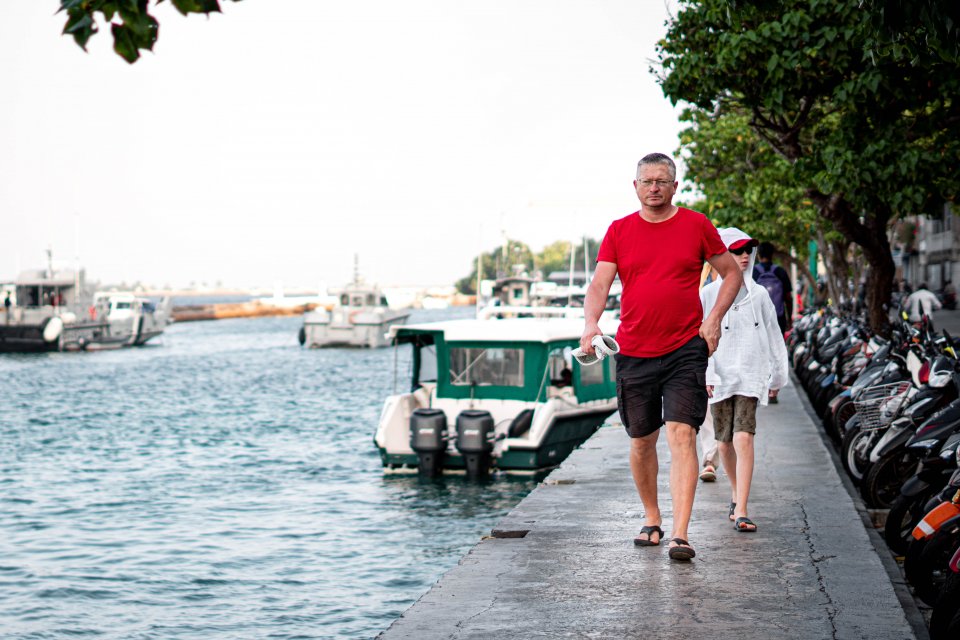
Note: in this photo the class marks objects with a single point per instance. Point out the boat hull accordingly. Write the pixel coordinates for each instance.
(564, 434)
(25, 338)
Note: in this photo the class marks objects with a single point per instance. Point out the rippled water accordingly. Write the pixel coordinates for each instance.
(220, 484)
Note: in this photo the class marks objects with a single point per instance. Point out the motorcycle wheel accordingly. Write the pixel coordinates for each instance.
(904, 515)
(932, 569)
(855, 449)
(881, 484)
(945, 621)
(833, 422)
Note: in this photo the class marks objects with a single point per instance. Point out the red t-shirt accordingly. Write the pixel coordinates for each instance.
(659, 265)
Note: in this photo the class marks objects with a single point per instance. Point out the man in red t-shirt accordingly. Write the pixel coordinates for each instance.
(659, 253)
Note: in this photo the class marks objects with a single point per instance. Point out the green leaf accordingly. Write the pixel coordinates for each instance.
(81, 26)
(124, 43)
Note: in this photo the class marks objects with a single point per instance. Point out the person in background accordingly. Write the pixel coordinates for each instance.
(664, 337)
(750, 361)
(775, 280)
(7, 303)
(921, 302)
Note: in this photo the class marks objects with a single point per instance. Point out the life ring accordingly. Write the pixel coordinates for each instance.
(353, 315)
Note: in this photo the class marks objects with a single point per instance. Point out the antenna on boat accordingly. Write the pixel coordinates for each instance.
(586, 261)
(479, 268)
(573, 251)
(356, 268)
(76, 259)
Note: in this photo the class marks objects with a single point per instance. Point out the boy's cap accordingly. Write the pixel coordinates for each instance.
(744, 242)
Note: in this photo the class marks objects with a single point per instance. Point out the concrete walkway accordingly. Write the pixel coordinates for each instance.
(811, 571)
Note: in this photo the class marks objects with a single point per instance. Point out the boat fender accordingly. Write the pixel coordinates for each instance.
(302, 336)
(51, 328)
(521, 424)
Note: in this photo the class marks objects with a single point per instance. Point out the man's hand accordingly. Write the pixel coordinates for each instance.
(709, 390)
(586, 339)
(709, 331)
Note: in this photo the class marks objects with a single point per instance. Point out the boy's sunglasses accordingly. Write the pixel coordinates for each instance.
(739, 251)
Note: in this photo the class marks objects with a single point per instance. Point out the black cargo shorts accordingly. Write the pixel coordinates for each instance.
(667, 388)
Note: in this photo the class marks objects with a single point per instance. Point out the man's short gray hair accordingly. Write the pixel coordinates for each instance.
(658, 158)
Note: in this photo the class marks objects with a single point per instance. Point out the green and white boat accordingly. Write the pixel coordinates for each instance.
(503, 395)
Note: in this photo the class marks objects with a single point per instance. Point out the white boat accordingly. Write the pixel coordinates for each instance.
(487, 396)
(131, 320)
(521, 296)
(361, 317)
(47, 312)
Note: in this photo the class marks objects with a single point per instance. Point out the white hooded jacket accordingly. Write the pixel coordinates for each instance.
(751, 357)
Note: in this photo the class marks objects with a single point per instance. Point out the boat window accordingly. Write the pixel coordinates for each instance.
(486, 367)
(357, 301)
(122, 305)
(593, 374)
(560, 367)
(383, 301)
(428, 364)
(345, 300)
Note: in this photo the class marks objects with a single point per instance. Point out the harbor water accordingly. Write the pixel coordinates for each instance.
(221, 483)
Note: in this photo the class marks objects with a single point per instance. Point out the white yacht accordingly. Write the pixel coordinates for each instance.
(131, 320)
(361, 317)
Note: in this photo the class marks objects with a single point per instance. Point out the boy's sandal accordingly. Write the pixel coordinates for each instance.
(709, 474)
(648, 541)
(733, 507)
(745, 525)
(682, 550)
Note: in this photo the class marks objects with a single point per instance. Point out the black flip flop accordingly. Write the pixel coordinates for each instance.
(683, 550)
(742, 525)
(649, 530)
(733, 506)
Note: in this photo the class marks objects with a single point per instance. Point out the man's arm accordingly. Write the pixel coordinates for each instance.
(732, 276)
(595, 302)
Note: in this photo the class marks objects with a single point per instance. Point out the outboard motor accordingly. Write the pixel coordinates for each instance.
(428, 437)
(475, 441)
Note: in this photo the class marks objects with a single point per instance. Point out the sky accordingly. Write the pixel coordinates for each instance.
(273, 143)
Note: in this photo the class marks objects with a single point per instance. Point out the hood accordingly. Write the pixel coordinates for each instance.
(729, 235)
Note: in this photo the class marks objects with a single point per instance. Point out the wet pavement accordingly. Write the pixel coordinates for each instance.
(814, 569)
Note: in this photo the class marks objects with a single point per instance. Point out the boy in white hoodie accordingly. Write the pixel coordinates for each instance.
(750, 360)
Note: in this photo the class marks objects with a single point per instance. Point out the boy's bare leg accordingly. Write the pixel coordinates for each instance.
(644, 466)
(728, 456)
(684, 466)
(743, 444)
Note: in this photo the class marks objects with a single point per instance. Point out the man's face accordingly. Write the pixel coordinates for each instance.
(656, 186)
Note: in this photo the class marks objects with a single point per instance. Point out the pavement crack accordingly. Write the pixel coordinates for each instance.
(816, 558)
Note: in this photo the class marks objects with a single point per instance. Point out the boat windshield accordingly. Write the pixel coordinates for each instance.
(486, 367)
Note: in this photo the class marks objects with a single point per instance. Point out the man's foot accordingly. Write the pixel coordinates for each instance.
(744, 525)
(772, 397)
(649, 531)
(709, 474)
(681, 550)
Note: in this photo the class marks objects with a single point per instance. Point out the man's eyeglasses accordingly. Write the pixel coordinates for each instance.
(739, 251)
(663, 184)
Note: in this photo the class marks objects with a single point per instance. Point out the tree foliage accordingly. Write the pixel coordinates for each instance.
(131, 24)
(867, 138)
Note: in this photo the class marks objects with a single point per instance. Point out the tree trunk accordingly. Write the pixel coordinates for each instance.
(870, 235)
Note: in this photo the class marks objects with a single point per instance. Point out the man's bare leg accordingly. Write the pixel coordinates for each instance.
(644, 466)
(682, 439)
